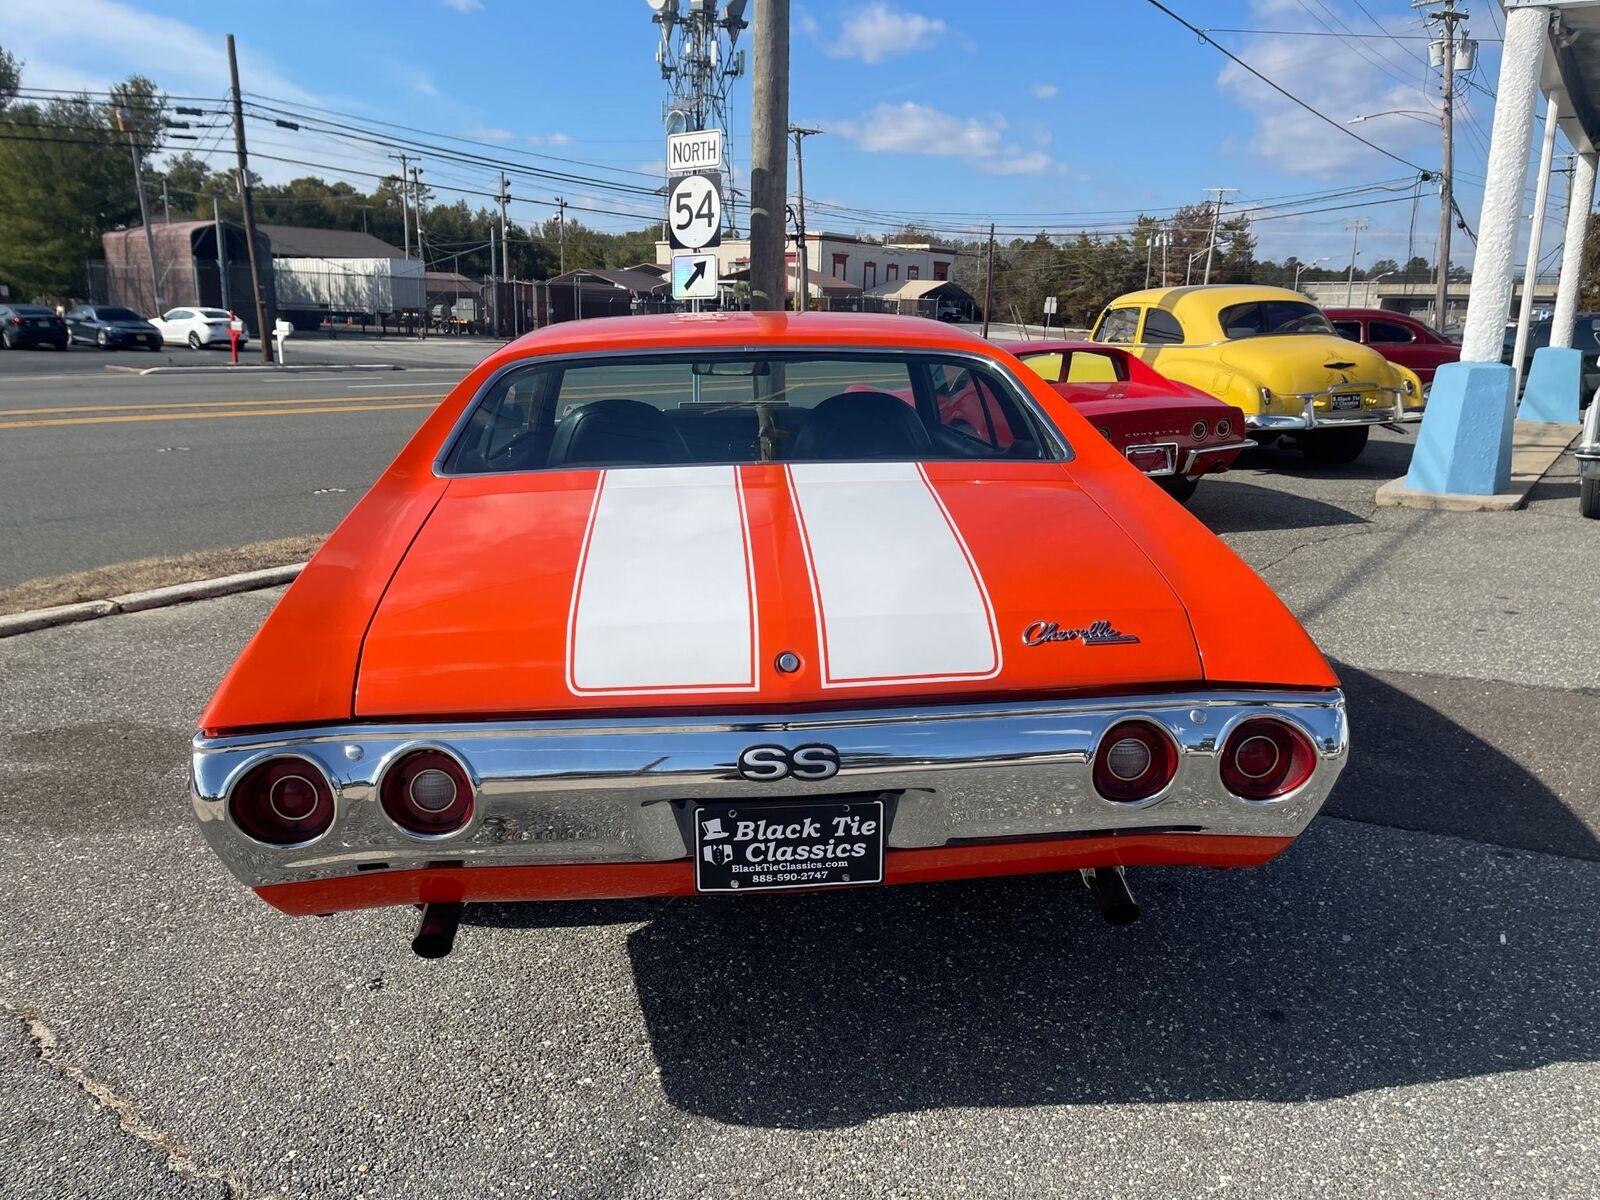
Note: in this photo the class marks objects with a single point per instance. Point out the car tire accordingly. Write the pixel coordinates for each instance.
(1334, 446)
(101, 340)
(1176, 486)
(194, 340)
(5, 342)
(1589, 498)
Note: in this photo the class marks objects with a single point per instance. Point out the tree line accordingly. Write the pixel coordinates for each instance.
(67, 164)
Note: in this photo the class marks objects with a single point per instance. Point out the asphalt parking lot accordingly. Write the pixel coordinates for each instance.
(1407, 1003)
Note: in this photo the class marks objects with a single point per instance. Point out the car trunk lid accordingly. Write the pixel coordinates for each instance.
(682, 587)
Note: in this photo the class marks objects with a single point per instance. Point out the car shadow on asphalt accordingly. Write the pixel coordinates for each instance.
(1231, 504)
(1363, 958)
(1382, 460)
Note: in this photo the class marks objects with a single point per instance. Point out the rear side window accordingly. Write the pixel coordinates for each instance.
(1349, 330)
(1160, 327)
(673, 410)
(1045, 366)
(1388, 333)
(1118, 325)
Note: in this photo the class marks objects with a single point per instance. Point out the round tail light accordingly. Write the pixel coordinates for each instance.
(1264, 758)
(283, 802)
(427, 793)
(1224, 427)
(1134, 761)
(1199, 431)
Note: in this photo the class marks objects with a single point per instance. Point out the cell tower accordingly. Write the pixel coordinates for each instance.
(699, 63)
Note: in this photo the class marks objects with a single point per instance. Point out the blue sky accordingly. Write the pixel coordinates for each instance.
(1035, 113)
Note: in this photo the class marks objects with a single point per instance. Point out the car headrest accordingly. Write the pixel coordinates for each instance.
(616, 432)
(855, 425)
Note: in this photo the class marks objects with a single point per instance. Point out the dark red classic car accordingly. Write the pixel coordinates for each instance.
(1172, 432)
(1399, 338)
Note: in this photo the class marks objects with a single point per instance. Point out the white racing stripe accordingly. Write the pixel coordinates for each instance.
(665, 598)
(897, 595)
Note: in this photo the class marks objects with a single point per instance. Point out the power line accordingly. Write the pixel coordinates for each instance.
(1284, 92)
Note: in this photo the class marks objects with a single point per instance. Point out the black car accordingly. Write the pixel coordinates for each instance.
(112, 328)
(31, 325)
(1585, 338)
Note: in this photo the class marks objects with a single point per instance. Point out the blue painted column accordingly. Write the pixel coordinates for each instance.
(1464, 443)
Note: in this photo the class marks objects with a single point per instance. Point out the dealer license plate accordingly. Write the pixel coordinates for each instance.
(745, 847)
(1345, 400)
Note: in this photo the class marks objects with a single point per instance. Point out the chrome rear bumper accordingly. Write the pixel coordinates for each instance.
(617, 791)
(1308, 417)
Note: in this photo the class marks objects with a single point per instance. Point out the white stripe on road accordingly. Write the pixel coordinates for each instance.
(897, 595)
(665, 597)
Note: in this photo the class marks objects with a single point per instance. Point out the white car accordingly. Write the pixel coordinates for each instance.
(195, 327)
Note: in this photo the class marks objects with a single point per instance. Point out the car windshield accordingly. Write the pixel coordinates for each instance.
(734, 407)
(1260, 318)
(117, 314)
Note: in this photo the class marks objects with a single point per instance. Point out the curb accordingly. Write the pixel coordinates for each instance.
(252, 370)
(1536, 446)
(132, 602)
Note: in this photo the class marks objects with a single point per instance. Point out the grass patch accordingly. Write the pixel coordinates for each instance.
(101, 583)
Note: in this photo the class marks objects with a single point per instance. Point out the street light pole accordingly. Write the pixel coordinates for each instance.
(1355, 226)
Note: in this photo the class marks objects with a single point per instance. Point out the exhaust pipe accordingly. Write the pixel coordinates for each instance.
(1109, 887)
(437, 932)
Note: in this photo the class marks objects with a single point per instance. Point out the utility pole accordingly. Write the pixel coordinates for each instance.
(505, 246)
(1216, 221)
(166, 204)
(222, 253)
(769, 157)
(561, 236)
(1355, 227)
(988, 282)
(800, 135)
(1447, 17)
(416, 204)
(125, 121)
(405, 204)
(247, 211)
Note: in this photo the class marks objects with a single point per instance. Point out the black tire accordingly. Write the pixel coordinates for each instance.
(194, 340)
(63, 345)
(157, 348)
(1334, 446)
(1176, 486)
(101, 340)
(1589, 498)
(5, 342)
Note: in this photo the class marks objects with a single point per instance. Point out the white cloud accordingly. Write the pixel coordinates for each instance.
(550, 139)
(464, 6)
(880, 30)
(1044, 91)
(912, 128)
(488, 133)
(1338, 79)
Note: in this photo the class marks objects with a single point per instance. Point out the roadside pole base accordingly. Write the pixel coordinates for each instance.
(1464, 442)
(1555, 383)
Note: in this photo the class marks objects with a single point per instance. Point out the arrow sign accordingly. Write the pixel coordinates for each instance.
(694, 276)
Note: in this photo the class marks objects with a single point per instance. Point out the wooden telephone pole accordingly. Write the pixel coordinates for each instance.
(248, 211)
(769, 157)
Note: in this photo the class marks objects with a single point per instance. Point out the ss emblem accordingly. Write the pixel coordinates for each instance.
(768, 764)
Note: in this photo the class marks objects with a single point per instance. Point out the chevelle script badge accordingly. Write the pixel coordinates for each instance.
(1098, 633)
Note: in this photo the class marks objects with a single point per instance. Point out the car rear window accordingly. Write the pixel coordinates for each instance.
(737, 407)
(1261, 318)
(32, 310)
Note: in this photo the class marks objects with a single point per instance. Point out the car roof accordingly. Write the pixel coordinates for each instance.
(1365, 313)
(753, 330)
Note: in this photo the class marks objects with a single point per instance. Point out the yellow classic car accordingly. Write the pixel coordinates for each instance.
(1274, 354)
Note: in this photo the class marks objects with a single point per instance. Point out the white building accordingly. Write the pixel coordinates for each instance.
(840, 257)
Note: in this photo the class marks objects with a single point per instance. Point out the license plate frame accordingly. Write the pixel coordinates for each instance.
(1344, 401)
(722, 858)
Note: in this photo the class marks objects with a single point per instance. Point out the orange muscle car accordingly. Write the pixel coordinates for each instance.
(728, 603)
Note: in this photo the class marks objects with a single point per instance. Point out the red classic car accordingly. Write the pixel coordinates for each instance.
(657, 606)
(1399, 338)
(1172, 432)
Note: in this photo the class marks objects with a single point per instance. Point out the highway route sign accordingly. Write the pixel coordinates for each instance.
(694, 211)
(694, 276)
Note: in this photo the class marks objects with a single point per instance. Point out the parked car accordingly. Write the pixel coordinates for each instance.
(1585, 339)
(112, 328)
(31, 325)
(1273, 353)
(195, 327)
(1399, 338)
(1588, 454)
(1172, 432)
(660, 605)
